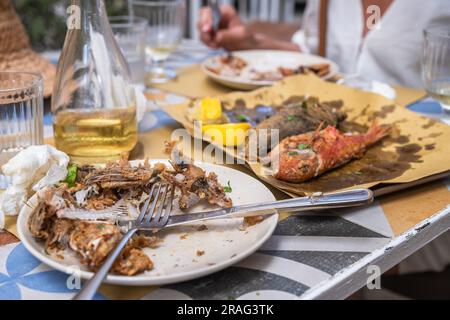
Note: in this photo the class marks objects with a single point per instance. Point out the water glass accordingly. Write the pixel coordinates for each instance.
(165, 31)
(436, 64)
(130, 33)
(21, 114)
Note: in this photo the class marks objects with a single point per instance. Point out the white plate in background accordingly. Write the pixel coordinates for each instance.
(265, 60)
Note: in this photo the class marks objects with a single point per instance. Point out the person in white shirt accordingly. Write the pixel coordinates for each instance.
(377, 39)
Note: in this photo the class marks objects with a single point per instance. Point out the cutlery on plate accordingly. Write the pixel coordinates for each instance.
(153, 215)
(319, 201)
(156, 215)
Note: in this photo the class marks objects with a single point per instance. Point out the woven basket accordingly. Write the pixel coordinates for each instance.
(15, 50)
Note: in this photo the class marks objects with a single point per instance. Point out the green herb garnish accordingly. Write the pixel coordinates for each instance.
(291, 118)
(71, 175)
(293, 153)
(303, 146)
(228, 188)
(100, 226)
(241, 118)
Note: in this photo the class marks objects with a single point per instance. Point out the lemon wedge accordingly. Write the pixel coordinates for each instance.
(208, 110)
(229, 134)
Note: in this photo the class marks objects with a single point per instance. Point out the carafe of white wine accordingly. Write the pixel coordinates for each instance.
(94, 103)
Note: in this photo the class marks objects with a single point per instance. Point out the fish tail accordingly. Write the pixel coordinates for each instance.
(376, 133)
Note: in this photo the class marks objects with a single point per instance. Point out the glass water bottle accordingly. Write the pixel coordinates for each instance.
(93, 100)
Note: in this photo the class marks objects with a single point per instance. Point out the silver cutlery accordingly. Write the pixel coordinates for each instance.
(216, 15)
(156, 215)
(319, 201)
(153, 215)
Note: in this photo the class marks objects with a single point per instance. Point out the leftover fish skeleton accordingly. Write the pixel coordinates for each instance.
(64, 217)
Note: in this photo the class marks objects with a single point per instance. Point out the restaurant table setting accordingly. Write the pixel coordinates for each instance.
(309, 254)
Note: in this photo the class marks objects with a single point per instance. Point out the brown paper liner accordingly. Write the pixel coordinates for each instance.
(418, 147)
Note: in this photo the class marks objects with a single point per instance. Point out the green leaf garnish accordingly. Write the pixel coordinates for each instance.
(100, 226)
(303, 146)
(293, 153)
(291, 118)
(228, 188)
(71, 175)
(241, 118)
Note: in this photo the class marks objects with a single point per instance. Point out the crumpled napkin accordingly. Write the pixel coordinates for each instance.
(30, 170)
(361, 83)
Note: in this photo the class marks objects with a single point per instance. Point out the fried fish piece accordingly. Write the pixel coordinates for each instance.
(302, 157)
(193, 182)
(120, 175)
(132, 259)
(94, 241)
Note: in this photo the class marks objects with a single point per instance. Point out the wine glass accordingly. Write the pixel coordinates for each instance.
(165, 31)
(131, 33)
(436, 65)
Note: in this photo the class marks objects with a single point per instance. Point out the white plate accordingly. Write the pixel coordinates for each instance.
(176, 259)
(266, 60)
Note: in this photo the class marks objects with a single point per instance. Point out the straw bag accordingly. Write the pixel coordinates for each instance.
(15, 50)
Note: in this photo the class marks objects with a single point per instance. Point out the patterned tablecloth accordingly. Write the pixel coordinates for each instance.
(312, 255)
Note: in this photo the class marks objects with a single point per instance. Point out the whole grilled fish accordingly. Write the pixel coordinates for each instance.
(302, 157)
(303, 117)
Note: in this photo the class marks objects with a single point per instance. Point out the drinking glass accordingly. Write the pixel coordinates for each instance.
(436, 65)
(130, 33)
(165, 32)
(21, 114)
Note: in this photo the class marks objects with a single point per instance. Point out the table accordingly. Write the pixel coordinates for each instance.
(326, 255)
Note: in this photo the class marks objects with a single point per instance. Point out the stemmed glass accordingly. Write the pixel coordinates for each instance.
(436, 65)
(131, 33)
(165, 31)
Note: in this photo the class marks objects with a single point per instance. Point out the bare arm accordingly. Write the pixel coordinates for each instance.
(235, 35)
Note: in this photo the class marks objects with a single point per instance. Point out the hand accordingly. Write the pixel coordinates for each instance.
(232, 33)
(235, 35)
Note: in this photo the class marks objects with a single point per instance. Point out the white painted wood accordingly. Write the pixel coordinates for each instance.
(353, 278)
(249, 10)
(324, 244)
(194, 16)
(289, 8)
(274, 10)
(270, 10)
(254, 7)
(243, 9)
(263, 13)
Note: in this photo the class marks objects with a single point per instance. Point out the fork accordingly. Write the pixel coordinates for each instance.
(317, 201)
(216, 14)
(153, 215)
(148, 220)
